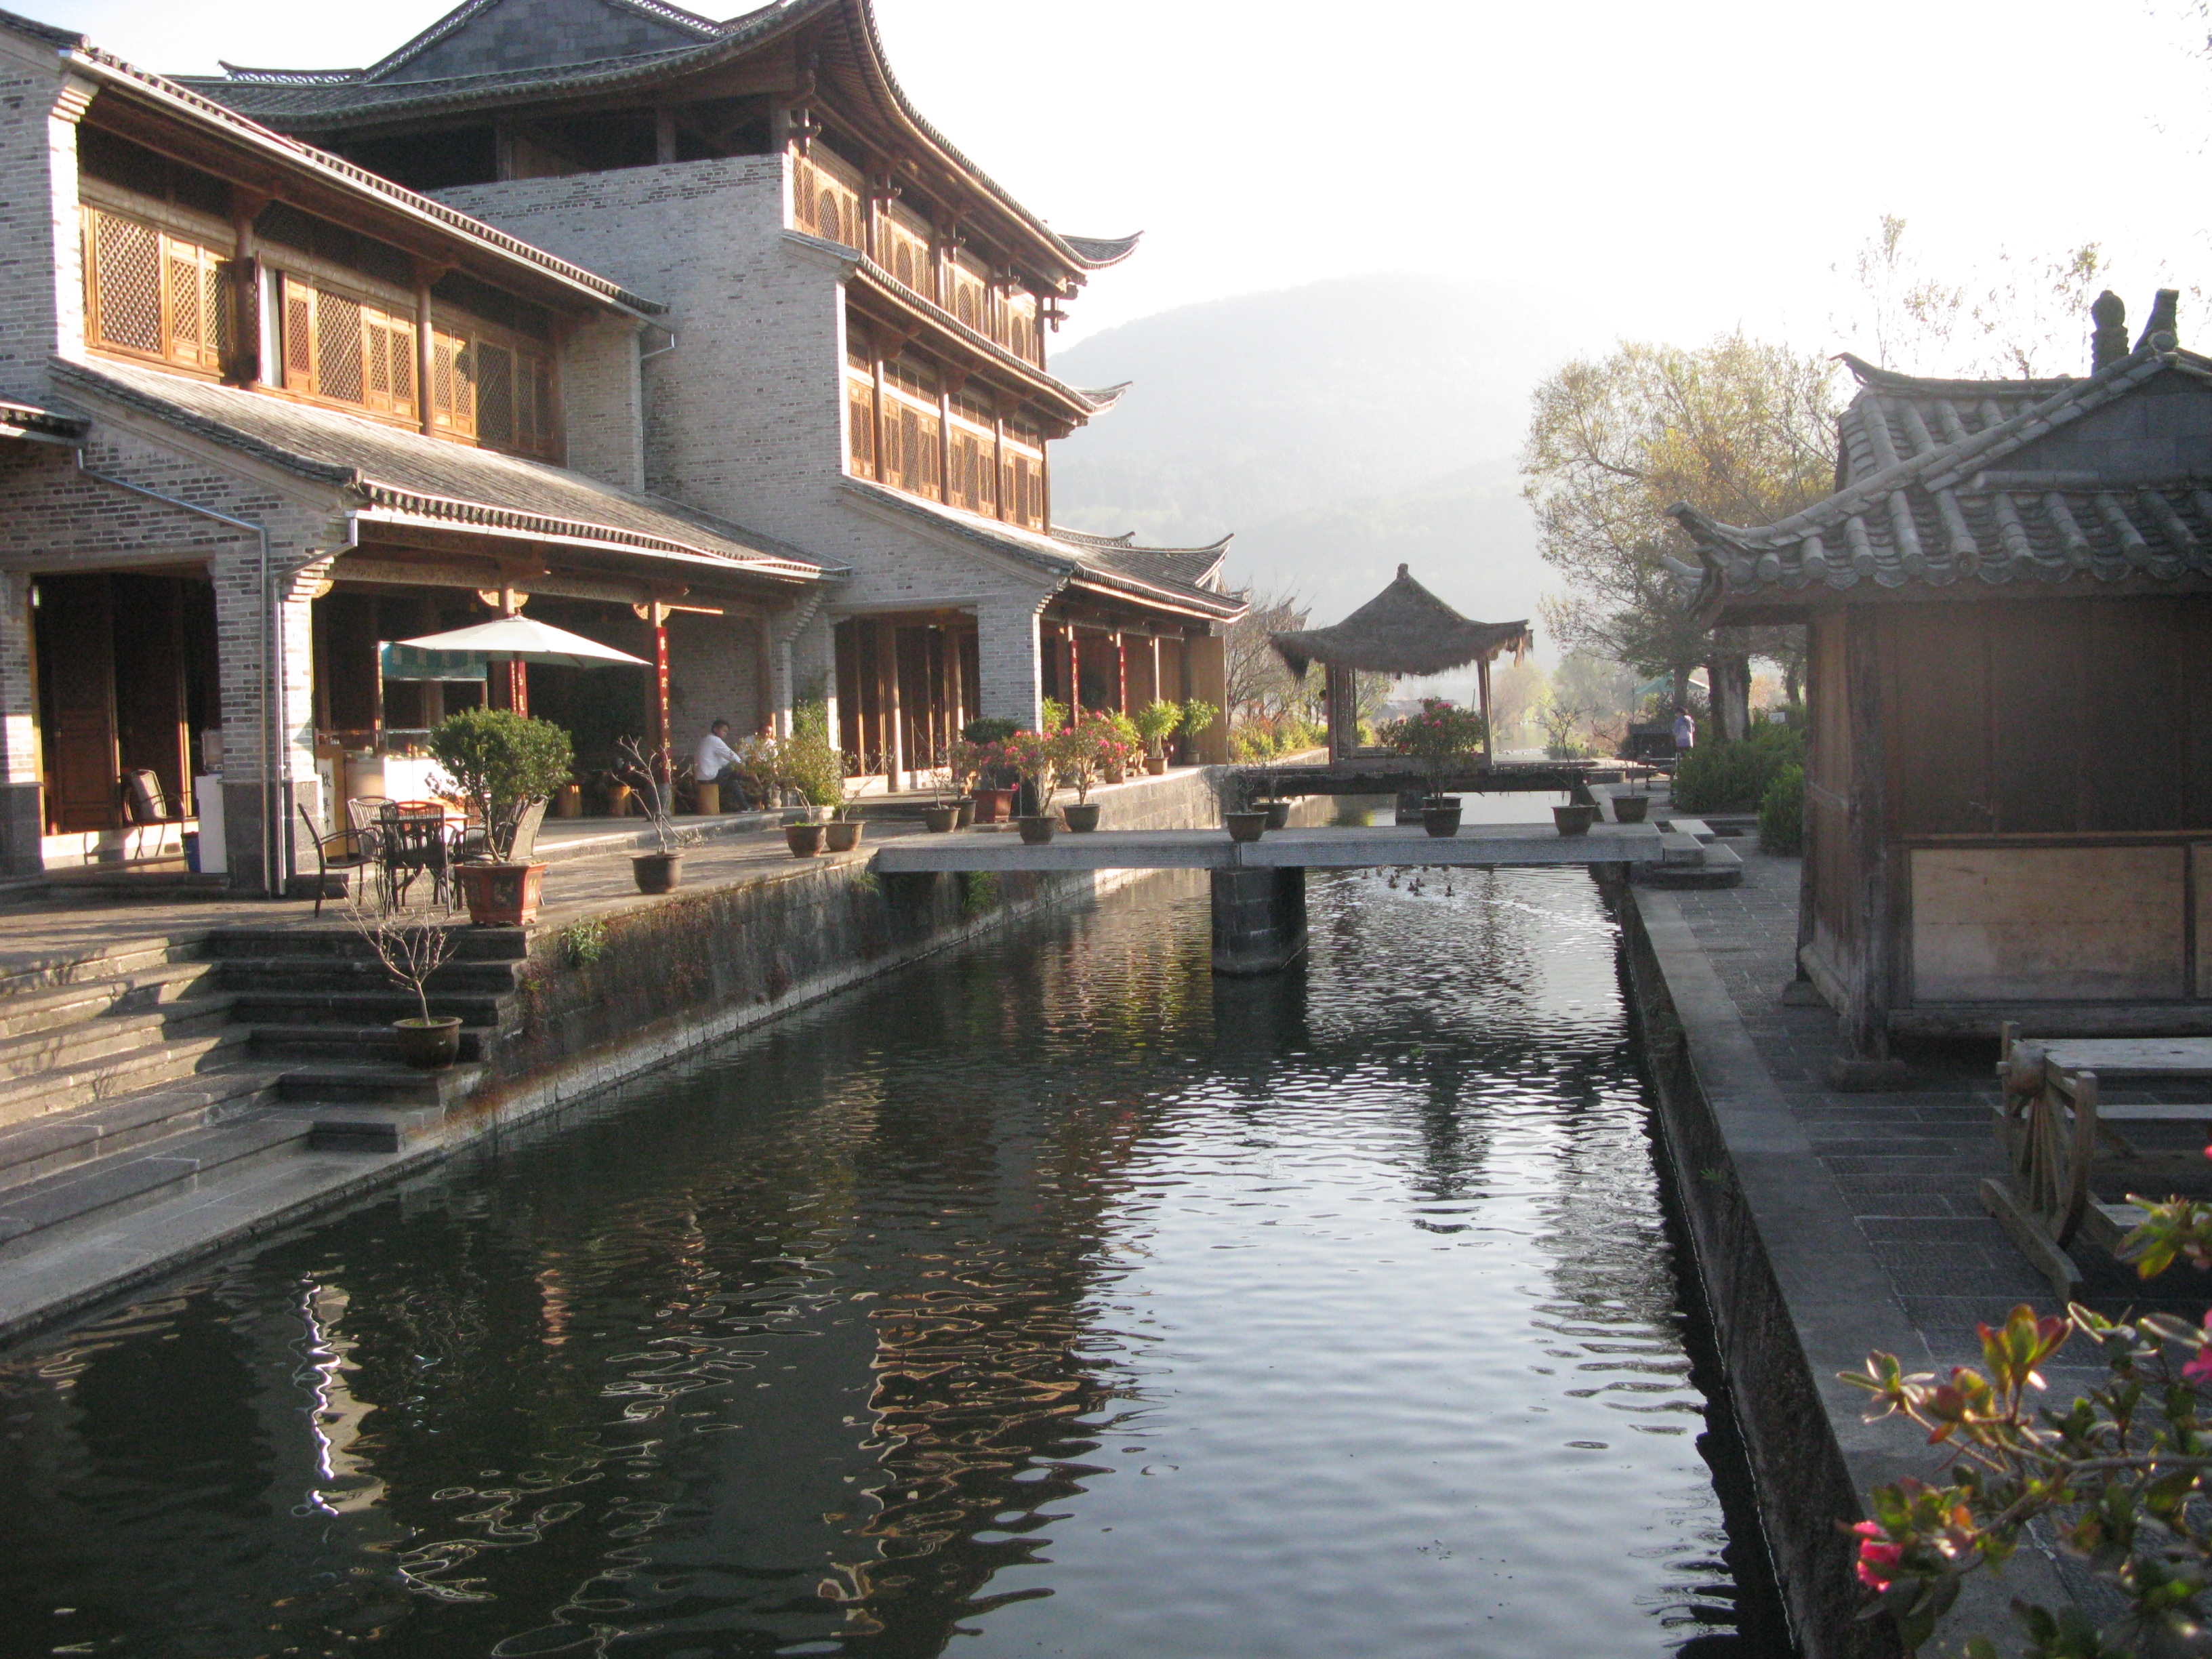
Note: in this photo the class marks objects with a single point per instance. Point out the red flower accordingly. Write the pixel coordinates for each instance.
(1878, 1557)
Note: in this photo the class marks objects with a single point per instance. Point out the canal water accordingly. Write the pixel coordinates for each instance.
(1052, 1298)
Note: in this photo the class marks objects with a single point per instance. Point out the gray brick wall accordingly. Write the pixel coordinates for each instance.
(41, 290)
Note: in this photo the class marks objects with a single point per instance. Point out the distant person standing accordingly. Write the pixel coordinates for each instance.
(1686, 733)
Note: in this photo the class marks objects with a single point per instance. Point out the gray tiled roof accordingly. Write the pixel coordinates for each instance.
(322, 100)
(1173, 576)
(2107, 477)
(404, 472)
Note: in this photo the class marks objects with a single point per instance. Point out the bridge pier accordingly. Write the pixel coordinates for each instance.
(1259, 918)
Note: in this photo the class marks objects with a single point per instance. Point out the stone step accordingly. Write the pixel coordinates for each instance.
(1716, 866)
(1679, 847)
(362, 1007)
(144, 1175)
(338, 943)
(128, 955)
(373, 1042)
(375, 1129)
(484, 978)
(147, 988)
(110, 1077)
(34, 1053)
(369, 1083)
(1697, 827)
(60, 1141)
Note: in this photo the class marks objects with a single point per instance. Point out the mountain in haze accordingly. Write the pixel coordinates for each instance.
(1340, 429)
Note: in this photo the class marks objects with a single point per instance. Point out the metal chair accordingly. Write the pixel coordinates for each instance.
(355, 849)
(413, 839)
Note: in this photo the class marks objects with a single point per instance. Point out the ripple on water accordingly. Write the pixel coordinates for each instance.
(1055, 1295)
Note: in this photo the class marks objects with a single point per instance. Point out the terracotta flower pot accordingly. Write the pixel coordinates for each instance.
(940, 820)
(1036, 830)
(805, 840)
(1082, 817)
(1157, 765)
(842, 835)
(1278, 811)
(1441, 820)
(1631, 809)
(1245, 826)
(993, 805)
(656, 872)
(1575, 819)
(502, 895)
(431, 1044)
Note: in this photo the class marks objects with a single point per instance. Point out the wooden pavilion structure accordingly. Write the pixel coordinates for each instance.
(2008, 612)
(1404, 629)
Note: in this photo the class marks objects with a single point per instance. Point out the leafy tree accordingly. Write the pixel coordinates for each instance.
(1739, 428)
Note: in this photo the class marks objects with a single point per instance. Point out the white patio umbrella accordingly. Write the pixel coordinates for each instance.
(518, 639)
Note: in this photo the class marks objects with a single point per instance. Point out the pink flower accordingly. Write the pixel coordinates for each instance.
(2199, 1368)
(1878, 1557)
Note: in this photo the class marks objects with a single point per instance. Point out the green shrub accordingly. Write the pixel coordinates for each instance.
(1782, 813)
(989, 730)
(1735, 777)
(501, 761)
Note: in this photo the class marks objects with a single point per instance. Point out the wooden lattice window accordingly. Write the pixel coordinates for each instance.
(1021, 480)
(826, 198)
(974, 483)
(497, 388)
(906, 250)
(156, 295)
(969, 299)
(343, 349)
(1019, 334)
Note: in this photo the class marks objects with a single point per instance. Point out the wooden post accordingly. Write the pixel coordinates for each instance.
(1121, 673)
(1158, 690)
(1341, 689)
(1482, 689)
(1865, 1026)
(1074, 675)
(887, 700)
(658, 616)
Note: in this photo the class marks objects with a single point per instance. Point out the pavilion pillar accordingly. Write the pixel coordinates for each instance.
(1865, 1063)
(1341, 689)
(1482, 691)
(1121, 673)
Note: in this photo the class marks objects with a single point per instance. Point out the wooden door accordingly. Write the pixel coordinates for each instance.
(76, 655)
(147, 626)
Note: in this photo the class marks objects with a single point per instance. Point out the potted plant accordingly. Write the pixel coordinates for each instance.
(1035, 758)
(1157, 722)
(1082, 753)
(504, 764)
(1198, 717)
(1127, 751)
(809, 764)
(1441, 737)
(657, 872)
(942, 816)
(995, 780)
(1574, 819)
(411, 952)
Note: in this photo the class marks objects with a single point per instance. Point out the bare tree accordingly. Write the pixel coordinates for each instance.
(1260, 685)
(411, 950)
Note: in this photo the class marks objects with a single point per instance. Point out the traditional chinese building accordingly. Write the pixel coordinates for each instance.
(2008, 607)
(691, 337)
(855, 354)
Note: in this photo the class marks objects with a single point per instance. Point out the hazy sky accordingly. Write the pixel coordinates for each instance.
(1665, 170)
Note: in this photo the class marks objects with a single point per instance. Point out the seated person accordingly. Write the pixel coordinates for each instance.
(715, 761)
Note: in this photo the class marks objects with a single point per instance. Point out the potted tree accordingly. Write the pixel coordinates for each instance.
(657, 872)
(412, 951)
(810, 765)
(842, 833)
(1440, 737)
(1198, 716)
(1155, 723)
(1082, 753)
(507, 766)
(1035, 758)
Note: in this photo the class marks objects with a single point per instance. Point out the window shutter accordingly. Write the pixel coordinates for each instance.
(299, 336)
(127, 266)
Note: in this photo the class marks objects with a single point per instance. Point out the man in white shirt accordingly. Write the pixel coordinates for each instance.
(714, 761)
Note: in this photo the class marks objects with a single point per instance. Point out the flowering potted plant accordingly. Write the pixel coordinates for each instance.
(506, 764)
(996, 780)
(1035, 758)
(1084, 752)
(1440, 737)
(1155, 723)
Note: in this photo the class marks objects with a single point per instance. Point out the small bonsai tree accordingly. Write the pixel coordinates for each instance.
(411, 951)
(647, 776)
(502, 762)
(1155, 723)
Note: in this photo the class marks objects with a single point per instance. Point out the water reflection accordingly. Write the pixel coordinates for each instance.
(1057, 1297)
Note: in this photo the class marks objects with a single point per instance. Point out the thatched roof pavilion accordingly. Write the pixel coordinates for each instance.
(1404, 629)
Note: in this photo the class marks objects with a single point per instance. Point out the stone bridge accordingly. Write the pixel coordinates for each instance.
(1259, 887)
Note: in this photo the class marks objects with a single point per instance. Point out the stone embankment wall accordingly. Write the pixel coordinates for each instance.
(1798, 1468)
(674, 973)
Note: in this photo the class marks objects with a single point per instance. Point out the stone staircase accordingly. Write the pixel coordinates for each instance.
(129, 1072)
